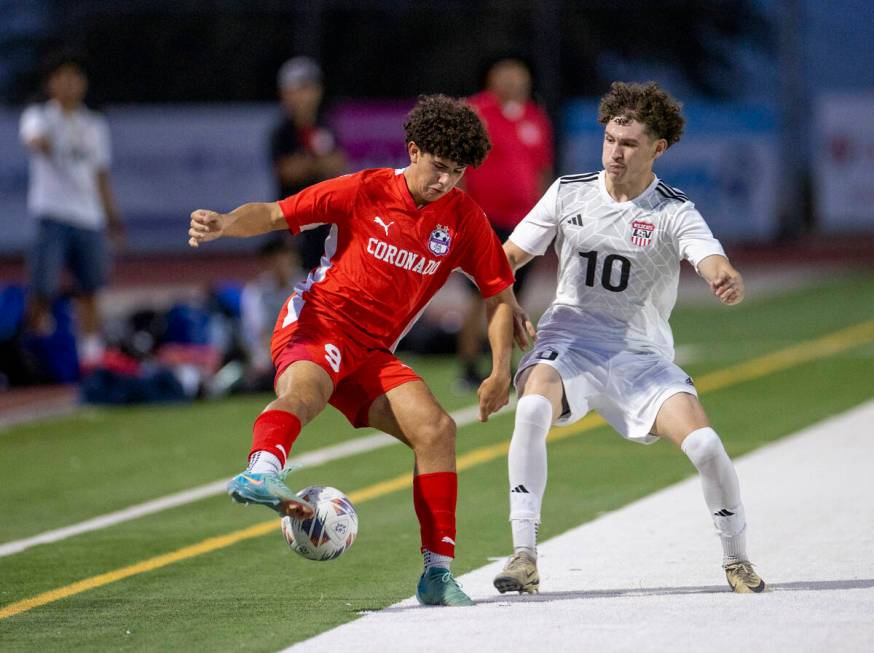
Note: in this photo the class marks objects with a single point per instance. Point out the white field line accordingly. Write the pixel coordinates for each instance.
(647, 577)
(364, 444)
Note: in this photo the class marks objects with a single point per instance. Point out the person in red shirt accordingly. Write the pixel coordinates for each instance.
(395, 237)
(510, 181)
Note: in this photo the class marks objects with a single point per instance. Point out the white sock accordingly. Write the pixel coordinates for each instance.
(436, 560)
(524, 535)
(527, 467)
(264, 461)
(721, 490)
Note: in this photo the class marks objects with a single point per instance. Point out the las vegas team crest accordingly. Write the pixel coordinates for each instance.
(439, 240)
(641, 233)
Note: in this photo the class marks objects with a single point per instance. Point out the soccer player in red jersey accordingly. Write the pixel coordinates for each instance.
(395, 237)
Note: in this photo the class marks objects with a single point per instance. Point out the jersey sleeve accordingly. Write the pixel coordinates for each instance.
(32, 124)
(484, 258)
(537, 229)
(695, 241)
(328, 202)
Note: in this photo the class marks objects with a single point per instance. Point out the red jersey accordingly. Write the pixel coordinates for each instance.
(508, 184)
(384, 258)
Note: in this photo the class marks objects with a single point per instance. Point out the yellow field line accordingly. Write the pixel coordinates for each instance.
(756, 368)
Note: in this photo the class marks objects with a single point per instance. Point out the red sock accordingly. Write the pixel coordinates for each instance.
(434, 496)
(275, 431)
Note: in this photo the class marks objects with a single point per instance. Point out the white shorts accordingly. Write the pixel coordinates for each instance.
(627, 388)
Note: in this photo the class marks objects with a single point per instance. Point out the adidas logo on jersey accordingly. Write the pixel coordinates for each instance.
(576, 221)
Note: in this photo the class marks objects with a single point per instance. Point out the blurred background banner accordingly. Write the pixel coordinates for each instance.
(844, 162)
(166, 161)
(170, 160)
(727, 163)
(372, 132)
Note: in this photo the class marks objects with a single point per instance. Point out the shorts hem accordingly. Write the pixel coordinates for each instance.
(286, 364)
(361, 420)
(637, 434)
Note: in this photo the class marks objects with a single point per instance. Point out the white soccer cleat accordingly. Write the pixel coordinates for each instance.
(519, 575)
(742, 578)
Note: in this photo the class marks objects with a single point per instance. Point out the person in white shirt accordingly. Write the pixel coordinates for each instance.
(604, 343)
(71, 200)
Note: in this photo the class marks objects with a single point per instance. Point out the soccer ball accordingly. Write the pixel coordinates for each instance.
(327, 534)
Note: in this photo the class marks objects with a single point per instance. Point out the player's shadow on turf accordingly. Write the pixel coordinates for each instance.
(812, 585)
(796, 586)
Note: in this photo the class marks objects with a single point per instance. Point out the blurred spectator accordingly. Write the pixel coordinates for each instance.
(514, 176)
(71, 199)
(304, 151)
(260, 304)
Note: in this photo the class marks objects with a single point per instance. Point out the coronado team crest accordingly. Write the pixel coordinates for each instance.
(439, 240)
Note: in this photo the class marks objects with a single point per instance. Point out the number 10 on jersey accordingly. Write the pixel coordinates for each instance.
(607, 272)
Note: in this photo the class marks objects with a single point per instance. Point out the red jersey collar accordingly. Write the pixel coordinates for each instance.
(404, 191)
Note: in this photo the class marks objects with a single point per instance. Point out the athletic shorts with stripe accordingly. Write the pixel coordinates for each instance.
(360, 374)
(627, 388)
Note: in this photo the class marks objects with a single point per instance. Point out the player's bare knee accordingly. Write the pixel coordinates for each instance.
(436, 434)
(304, 402)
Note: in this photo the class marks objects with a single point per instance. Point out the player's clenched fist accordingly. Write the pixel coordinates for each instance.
(205, 226)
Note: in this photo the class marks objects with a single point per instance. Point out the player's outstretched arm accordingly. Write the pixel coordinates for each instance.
(494, 392)
(247, 220)
(724, 280)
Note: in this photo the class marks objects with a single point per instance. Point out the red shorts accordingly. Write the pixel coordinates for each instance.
(360, 374)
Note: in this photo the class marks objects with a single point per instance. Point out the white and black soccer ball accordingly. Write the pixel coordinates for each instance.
(327, 534)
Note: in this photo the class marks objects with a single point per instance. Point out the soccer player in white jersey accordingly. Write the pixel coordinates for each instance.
(604, 343)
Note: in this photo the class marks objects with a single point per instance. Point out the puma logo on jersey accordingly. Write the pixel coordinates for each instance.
(382, 224)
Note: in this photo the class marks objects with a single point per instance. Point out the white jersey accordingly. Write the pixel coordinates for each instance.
(619, 262)
(63, 184)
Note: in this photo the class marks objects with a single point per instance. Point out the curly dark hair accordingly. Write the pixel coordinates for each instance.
(646, 103)
(448, 128)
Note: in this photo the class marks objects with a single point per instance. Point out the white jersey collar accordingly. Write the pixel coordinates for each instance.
(608, 198)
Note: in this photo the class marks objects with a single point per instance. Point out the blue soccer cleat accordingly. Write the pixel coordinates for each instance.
(268, 489)
(438, 587)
